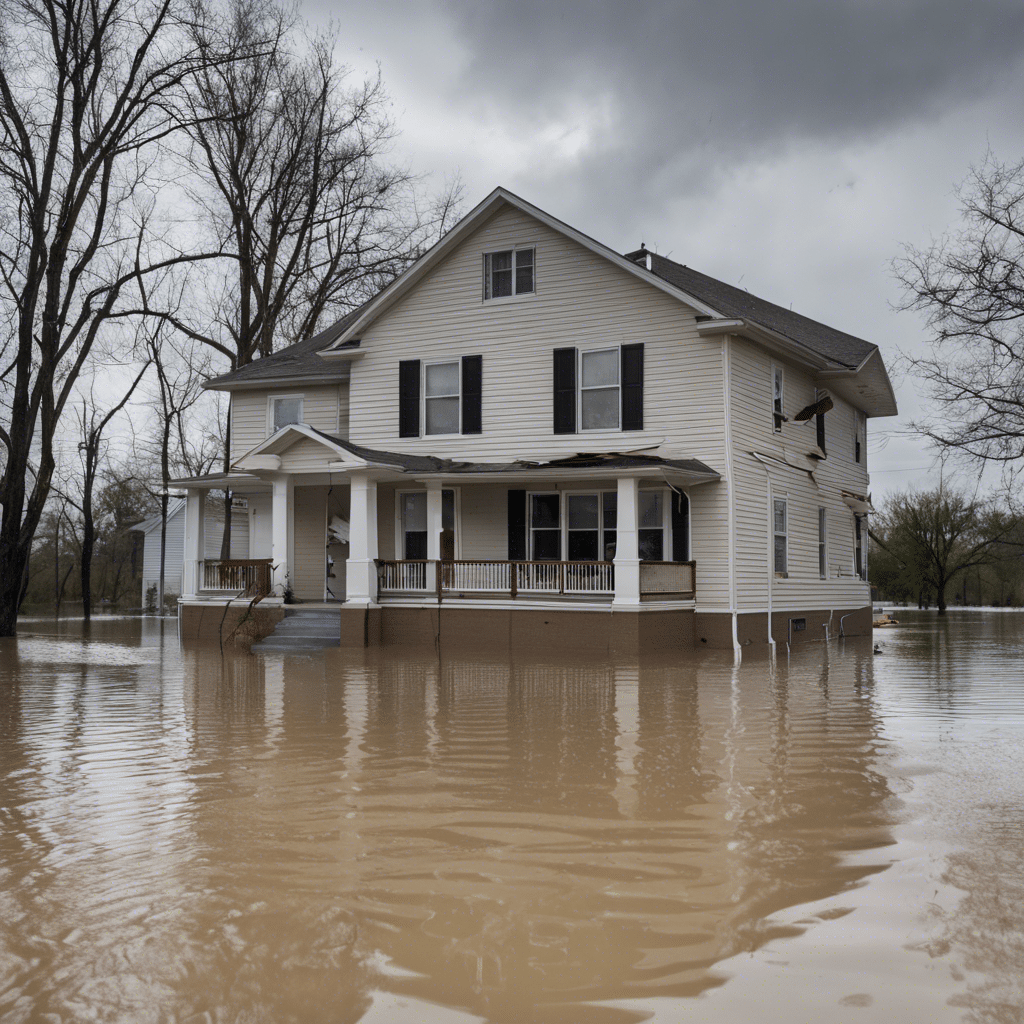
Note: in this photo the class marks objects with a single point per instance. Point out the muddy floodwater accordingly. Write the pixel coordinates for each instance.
(397, 837)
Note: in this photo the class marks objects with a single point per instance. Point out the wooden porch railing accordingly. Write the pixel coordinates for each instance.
(481, 576)
(251, 575)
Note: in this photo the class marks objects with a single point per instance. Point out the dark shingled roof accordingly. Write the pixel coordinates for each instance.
(735, 302)
(602, 460)
(299, 360)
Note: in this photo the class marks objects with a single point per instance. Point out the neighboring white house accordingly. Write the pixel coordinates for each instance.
(549, 439)
(175, 543)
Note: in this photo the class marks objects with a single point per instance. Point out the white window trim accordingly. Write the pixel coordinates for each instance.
(400, 533)
(780, 371)
(457, 362)
(784, 575)
(602, 387)
(822, 542)
(271, 399)
(499, 300)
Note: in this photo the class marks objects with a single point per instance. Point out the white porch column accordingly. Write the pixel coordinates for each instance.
(195, 542)
(361, 568)
(627, 543)
(282, 511)
(434, 520)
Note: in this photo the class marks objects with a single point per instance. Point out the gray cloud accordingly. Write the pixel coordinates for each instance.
(696, 86)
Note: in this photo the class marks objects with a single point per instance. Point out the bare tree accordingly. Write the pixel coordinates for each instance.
(970, 286)
(935, 535)
(92, 423)
(88, 89)
(290, 172)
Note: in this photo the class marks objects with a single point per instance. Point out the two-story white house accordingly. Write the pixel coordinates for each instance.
(545, 441)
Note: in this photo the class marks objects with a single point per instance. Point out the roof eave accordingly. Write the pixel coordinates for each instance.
(331, 377)
(770, 339)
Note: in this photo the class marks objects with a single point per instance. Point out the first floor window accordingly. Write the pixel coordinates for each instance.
(822, 544)
(599, 389)
(859, 566)
(414, 524)
(441, 397)
(509, 272)
(546, 527)
(652, 526)
(780, 524)
(285, 410)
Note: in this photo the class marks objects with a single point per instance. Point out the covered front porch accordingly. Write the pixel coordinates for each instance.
(333, 522)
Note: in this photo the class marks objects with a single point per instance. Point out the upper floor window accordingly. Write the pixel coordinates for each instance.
(441, 398)
(777, 415)
(819, 422)
(598, 389)
(858, 427)
(509, 272)
(284, 410)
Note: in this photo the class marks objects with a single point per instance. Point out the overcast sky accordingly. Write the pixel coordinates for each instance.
(790, 147)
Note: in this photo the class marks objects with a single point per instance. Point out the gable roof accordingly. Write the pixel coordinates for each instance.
(734, 302)
(294, 363)
(723, 307)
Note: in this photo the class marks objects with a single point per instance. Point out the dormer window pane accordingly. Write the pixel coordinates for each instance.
(287, 411)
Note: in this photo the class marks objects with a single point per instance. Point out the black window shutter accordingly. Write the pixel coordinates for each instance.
(565, 390)
(472, 388)
(409, 398)
(633, 387)
(680, 527)
(517, 526)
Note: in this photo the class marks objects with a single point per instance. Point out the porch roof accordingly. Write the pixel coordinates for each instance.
(578, 464)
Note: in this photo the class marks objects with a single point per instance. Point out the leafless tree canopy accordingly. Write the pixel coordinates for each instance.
(88, 88)
(970, 286)
(289, 166)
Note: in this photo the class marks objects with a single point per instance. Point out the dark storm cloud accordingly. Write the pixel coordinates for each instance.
(695, 86)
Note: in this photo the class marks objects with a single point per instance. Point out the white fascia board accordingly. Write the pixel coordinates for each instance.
(279, 382)
(465, 227)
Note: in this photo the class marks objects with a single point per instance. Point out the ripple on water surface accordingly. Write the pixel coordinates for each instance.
(382, 835)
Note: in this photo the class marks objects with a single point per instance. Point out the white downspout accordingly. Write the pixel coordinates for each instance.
(731, 485)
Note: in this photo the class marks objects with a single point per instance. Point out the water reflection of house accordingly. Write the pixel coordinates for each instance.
(510, 834)
(563, 443)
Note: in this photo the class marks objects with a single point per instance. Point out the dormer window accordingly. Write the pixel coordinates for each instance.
(508, 273)
(284, 410)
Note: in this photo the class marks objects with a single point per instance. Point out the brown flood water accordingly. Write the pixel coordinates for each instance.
(384, 837)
